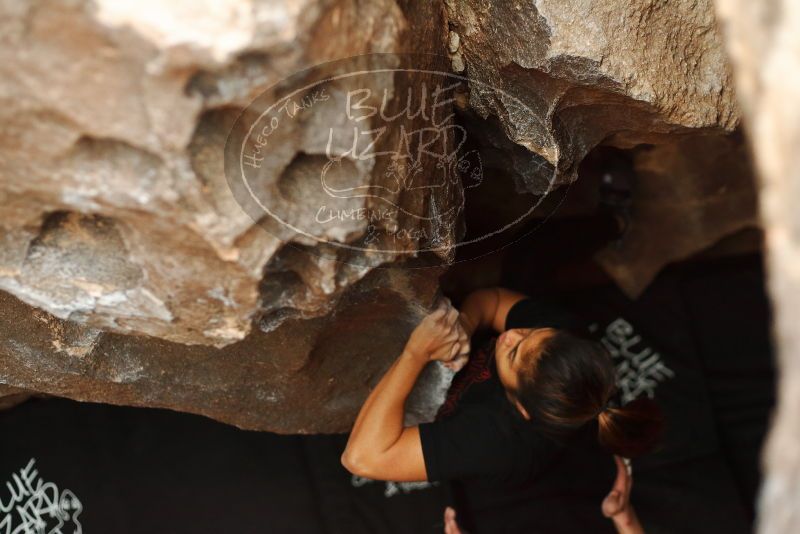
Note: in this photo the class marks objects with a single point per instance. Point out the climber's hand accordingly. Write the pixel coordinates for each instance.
(460, 360)
(467, 327)
(467, 323)
(437, 336)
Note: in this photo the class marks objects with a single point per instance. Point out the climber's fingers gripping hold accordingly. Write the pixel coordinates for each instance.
(457, 363)
(436, 336)
(455, 344)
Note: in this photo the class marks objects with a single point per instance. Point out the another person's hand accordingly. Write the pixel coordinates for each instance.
(617, 505)
(450, 525)
(438, 336)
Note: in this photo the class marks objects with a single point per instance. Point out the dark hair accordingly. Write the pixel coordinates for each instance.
(570, 381)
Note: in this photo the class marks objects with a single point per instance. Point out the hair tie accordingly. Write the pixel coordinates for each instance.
(610, 403)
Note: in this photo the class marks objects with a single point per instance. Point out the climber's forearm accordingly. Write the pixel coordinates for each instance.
(379, 424)
(380, 446)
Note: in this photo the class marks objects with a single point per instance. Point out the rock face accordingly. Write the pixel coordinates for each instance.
(763, 41)
(625, 72)
(116, 211)
(561, 78)
(117, 215)
(688, 194)
(135, 268)
(302, 377)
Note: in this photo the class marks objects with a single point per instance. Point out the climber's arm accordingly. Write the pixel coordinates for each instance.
(380, 447)
(487, 308)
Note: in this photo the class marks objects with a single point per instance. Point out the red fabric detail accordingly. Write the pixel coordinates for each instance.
(478, 369)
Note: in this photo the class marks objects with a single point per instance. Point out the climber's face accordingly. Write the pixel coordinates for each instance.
(515, 351)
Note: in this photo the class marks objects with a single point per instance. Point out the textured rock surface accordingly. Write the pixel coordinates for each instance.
(688, 195)
(620, 74)
(118, 222)
(132, 273)
(302, 377)
(763, 39)
(592, 71)
(115, 208)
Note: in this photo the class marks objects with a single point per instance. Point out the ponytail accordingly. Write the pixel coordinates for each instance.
(567, 381)
(631, 430)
